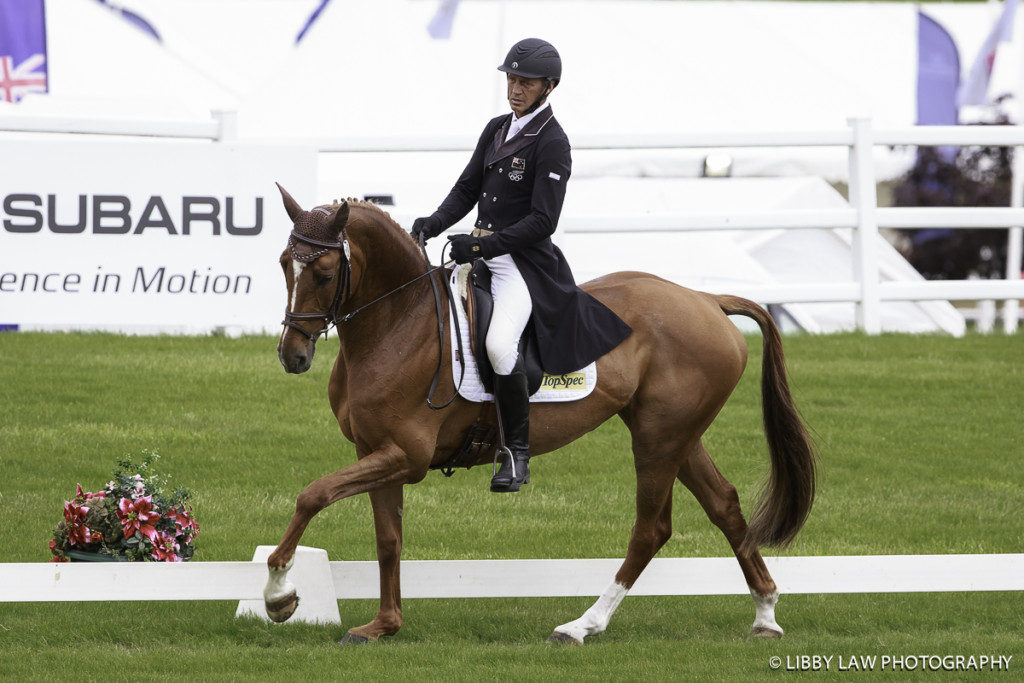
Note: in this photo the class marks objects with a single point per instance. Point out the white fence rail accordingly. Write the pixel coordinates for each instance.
(123, 581)
(223, 126)
(864, 216)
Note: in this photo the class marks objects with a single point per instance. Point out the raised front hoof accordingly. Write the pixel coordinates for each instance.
(353, 639)
(563, 639)
(765, 632)
(282, 609)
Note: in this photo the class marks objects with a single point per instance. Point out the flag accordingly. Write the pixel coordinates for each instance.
(132, 18)
(975, 89)
(441, 25)
(311, 20)
(22, 49)
(938, 74)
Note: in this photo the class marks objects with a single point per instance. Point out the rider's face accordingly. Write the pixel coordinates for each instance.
(523, 92)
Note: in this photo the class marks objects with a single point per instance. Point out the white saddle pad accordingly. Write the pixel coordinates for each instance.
(571, 386)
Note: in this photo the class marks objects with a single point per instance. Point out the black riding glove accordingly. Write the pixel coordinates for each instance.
(465, 248)
(428, 227)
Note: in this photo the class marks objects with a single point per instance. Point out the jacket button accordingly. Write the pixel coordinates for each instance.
(489, 226)
(485, 194)
(500, 170)
(494, 199)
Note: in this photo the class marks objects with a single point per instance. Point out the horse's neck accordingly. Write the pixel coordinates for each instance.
(384, 258)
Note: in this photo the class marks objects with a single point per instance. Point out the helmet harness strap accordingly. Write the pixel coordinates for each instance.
(533, 107)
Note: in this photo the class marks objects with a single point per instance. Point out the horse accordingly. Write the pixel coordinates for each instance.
(667, 381)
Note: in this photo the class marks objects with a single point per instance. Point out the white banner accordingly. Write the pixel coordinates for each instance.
(146, 235)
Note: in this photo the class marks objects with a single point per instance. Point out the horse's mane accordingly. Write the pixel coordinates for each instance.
(373, 208)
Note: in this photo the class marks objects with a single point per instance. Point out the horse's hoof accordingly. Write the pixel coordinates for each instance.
(353, 639)
(282, 609)
(565, 638)
(765, 632)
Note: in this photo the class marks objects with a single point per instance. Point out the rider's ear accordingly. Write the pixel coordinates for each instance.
(290, 205)
(340, 219)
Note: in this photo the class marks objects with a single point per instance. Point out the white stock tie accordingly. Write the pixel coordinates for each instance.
(512, 130)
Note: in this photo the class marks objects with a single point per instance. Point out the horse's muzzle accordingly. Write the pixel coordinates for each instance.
(297, 361)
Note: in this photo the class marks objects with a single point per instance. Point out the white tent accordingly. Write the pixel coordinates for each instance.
(370, 68)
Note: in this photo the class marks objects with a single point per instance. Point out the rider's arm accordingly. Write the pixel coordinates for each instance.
(464, 194)
(554, 163)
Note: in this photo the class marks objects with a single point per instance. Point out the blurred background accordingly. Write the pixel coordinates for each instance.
(713, 145)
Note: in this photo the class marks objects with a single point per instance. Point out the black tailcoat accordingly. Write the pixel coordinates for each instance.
(519, 186)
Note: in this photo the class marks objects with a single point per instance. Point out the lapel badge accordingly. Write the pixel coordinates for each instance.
(518, 168)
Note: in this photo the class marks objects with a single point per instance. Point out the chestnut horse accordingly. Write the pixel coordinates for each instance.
(667, 381)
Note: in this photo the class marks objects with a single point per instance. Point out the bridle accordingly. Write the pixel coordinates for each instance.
(331, 318)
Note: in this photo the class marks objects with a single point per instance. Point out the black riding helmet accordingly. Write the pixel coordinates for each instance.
(534, 58)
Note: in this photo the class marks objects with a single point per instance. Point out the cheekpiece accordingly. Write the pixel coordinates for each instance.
(312, 237)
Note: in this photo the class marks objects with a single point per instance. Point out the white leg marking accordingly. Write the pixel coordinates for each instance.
(595, 620)
(278, 585)
(765, 615)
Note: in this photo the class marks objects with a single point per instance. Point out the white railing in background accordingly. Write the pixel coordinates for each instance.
(864, 216)
(222, 126)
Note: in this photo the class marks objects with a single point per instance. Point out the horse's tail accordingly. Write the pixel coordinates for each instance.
(787, 496)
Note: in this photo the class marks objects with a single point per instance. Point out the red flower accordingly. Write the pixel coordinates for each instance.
(74, 515)
(165, 548)
(138, 515)
(58, 558)
(184, 524)
(85, 495)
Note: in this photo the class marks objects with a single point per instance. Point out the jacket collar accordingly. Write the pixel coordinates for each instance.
(527, 136)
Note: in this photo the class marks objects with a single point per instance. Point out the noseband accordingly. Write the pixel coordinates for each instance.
(330, 316)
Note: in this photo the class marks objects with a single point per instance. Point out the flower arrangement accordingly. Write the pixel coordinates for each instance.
(133, 518)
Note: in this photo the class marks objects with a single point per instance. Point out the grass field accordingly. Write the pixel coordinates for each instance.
(922, 446)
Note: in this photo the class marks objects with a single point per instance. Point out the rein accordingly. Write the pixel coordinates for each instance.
(331, 318)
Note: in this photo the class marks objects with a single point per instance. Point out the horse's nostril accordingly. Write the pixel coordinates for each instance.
(300, 359)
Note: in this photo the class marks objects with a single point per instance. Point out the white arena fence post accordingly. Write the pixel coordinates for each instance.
(227, 124)
(864, 199)
(1011, 308)
(311, 574)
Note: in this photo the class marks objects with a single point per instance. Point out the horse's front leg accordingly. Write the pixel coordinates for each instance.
(386, 467)
(387, 522)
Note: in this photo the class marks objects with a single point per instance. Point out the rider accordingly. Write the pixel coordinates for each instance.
(517, 177)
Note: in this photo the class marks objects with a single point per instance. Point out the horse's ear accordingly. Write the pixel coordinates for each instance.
(340, 219)
(290, 205)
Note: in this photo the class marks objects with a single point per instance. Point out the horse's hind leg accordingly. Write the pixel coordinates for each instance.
(653, 527)
(721, 503)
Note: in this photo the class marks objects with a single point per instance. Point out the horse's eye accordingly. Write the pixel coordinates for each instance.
(323, 279)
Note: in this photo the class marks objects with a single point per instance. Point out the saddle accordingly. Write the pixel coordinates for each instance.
(479, 307)
(478, 304)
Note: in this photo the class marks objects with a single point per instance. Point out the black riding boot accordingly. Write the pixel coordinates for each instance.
(514, 405)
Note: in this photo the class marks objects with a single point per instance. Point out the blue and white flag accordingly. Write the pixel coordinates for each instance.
(22, 49)
(133, 18)
(974, 90)
(311, 20)
(938, 74)
(441, 24)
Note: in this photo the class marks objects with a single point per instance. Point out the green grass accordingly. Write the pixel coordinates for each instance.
(922, 446)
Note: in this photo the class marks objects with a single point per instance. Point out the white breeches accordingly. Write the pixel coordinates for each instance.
(512, 308)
